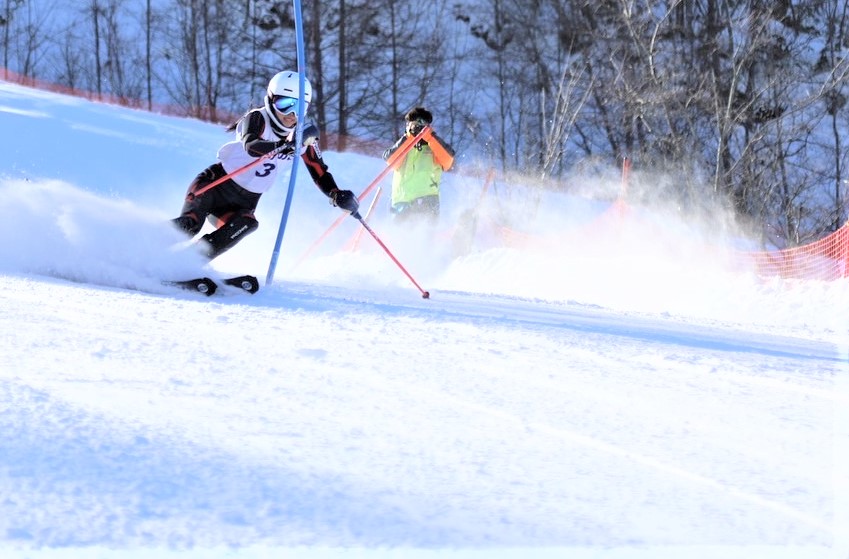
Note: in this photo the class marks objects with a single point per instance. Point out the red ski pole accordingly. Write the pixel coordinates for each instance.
(358, 217)
(354, 243)
(241, 169)
(406, 146)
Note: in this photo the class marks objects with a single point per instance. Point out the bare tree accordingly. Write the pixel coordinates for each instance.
(568, 102)
(26, 36)
(316, 62)
(493, 29)
(206, 39)
(95, 12)
(834, 63)
(72, 63)
(148, 58)
(9, 9)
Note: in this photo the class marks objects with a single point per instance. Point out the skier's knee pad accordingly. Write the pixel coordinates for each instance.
(188, 223)
(226, 236)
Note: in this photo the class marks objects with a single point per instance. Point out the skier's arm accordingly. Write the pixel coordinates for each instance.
(322, 178)
(251, 134)
(318, 170)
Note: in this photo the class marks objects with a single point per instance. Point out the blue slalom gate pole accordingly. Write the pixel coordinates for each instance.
(299, 131)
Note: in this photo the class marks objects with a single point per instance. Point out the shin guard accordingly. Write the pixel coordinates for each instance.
(226, 236)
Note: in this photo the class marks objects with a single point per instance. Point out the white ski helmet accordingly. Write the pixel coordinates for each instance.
(284, 87)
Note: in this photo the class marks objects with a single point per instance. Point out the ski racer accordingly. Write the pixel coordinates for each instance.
(230, 205)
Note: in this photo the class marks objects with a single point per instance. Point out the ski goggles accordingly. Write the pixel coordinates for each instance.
(286, 105)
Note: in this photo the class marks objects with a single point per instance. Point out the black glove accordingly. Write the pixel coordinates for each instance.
(287, 146)
(344, 199)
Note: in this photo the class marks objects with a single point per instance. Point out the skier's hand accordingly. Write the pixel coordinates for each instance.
(310, 134)
(344, 199)
(285, 146)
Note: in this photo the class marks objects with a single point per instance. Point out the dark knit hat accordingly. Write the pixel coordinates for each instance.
(419, 113)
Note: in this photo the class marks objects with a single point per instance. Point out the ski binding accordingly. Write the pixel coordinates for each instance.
(205, 286)
(245, 283)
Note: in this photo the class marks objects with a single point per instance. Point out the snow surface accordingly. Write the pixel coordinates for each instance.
(626, 397)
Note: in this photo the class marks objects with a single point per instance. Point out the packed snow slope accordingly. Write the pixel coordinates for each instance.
(613, 397)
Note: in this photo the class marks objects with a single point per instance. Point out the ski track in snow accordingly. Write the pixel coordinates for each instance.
(250, 409)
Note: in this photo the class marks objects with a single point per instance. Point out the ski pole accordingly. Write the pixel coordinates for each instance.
(354, 243)
(402, 151)
(240, 170)
(358, 217)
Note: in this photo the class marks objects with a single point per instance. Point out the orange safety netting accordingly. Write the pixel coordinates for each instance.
(608, 220)
(825, 259)
(201, 112)
(330, 140)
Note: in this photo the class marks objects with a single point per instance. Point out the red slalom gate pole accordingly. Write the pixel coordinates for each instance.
(390, 165)
(358, 217)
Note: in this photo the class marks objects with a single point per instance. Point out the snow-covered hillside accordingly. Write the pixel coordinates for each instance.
(567, 402)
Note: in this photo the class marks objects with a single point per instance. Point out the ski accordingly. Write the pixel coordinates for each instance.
(208, 287)
(246, 283)
(202, 285)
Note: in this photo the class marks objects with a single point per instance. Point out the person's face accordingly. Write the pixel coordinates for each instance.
(415, 126)
(287, 110)
(289, 120)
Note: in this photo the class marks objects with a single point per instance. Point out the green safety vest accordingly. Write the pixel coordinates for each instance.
(418, 175)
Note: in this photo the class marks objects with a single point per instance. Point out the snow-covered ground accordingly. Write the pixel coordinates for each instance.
(617, 398)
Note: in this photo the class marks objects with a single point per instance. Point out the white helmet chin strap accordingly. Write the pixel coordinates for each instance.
(275, 121)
